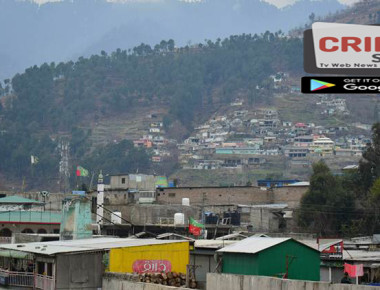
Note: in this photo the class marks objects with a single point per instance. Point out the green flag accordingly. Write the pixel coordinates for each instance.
(195, 227)
(82, 171)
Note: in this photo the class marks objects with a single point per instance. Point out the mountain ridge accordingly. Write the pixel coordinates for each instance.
(65, 30)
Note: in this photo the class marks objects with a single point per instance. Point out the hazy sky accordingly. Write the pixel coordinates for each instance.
(278, 3)
(283, 3)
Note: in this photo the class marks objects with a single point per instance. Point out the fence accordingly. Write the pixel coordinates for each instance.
(5, 240)
(45, 282)
(20, 279)
(166, 221)
(26, 279)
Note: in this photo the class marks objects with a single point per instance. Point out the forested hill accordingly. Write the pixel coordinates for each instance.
(365, 12)
(54, 101)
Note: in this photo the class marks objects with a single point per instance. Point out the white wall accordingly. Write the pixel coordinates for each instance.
(242, 282)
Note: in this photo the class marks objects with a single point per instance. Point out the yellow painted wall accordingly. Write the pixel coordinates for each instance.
(122, 259)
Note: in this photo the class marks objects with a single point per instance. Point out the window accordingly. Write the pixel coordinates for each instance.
(123, 180)
(49, 269)
(147, 194)
(171, 194)
(5, 232)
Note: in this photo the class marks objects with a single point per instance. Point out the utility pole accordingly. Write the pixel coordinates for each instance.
(64, 172)
(203, 207)
(100, 200)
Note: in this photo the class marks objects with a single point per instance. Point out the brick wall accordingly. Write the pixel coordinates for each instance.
(231, 195)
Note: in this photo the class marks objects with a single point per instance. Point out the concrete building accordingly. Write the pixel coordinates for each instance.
(42, 222)
(12, 203)
(203, 258)
(132, 181)
(323, 146)
(303, 141)
(266, 217)
(296, 151)
(231, 195)
(139, 182)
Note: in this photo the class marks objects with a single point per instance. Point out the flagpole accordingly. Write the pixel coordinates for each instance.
(76, 181)
(92, 178)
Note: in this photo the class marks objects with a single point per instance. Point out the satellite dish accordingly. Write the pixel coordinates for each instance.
(44, 193)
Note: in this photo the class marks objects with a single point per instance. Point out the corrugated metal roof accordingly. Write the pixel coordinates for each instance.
(360, 255)
(18, 199)
(232, 236)
(301, 183)
(84, 245)
(212, 244)
(271, 205)
(328, 244)
(254, 245)
(38, 217)
(310, 243)
(15, 254)
(168, 235)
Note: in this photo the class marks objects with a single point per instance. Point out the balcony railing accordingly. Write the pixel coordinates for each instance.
(20, 279)
(45, 282)
(26, 279)
(5, 240)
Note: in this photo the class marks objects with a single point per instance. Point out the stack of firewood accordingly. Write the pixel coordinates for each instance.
(170, 278)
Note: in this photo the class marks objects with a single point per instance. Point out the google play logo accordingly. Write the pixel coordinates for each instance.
(316, 85)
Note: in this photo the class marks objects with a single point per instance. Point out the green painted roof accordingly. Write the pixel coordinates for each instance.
(14, 254)
(18, 199)
(46, 217)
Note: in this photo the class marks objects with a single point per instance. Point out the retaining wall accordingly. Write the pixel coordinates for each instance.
(242, 282)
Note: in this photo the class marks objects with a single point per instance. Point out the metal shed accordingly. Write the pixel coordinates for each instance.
(80, 264)
(280, 257)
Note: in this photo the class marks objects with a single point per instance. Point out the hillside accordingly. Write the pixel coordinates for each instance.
(77, 101)
(364, 12)
(165, 109)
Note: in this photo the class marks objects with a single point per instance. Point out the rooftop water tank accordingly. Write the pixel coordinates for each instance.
(186, 201)
(179, 218)
(116, 217)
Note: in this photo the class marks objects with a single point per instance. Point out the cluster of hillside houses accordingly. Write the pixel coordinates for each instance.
(242, 139)
(155, 140)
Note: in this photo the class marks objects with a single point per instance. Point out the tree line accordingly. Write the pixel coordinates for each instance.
(347, 204)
